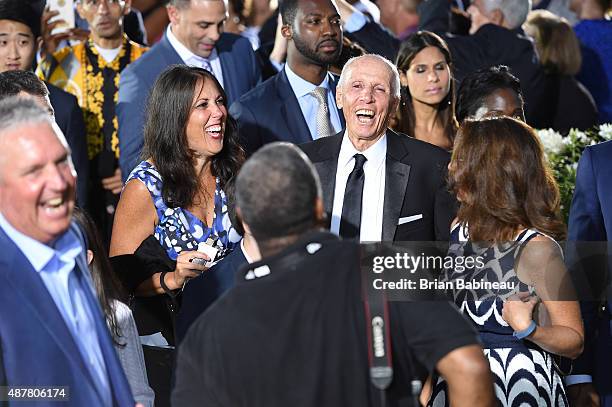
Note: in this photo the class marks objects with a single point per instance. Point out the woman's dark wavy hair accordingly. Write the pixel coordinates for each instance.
(414, 44)
(499, 172)
(165, 138)
(481, 83)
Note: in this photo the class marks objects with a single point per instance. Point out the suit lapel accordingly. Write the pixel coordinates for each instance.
(228, 86)
(291, 111)
(325, 160)
(327, 175)
(30, 286)
(170, 55)
(228, 68)
(397, 172)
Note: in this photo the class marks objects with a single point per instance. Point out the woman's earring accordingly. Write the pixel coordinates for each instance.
(403, 95)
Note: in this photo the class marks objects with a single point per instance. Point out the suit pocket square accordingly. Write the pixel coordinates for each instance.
(408, 219)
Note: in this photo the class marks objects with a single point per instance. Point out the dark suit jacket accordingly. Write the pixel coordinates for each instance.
(202, 291)
(415, 184)
(490, 45)
(271, 112)
(36, 346)
(241, 73)
(69, 118)
(590, 220)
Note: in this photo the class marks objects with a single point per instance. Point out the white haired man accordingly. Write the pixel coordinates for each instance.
(378, 185)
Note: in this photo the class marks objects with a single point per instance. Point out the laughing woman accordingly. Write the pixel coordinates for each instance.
(176, 194)
(173, 209)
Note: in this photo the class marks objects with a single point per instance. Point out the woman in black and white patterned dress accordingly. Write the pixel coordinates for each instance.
(509, 209)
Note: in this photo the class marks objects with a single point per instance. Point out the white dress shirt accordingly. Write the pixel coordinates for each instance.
(309, 104)
(191, 59)
(373, 199)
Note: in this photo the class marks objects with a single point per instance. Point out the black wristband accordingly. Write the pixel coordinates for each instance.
(163, 285)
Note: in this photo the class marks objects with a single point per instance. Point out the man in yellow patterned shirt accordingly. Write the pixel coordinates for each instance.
(90, 70)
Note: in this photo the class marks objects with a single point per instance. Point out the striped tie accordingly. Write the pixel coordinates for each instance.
(200, 62)
(206, 65)
(324, 127)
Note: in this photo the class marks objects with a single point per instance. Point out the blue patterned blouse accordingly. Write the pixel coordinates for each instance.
(178, 229)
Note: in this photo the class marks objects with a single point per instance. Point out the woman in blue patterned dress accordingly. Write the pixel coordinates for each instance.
(509, 211)
(173, 209)
(176, 194)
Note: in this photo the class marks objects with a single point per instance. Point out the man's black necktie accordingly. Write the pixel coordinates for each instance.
(353, 194)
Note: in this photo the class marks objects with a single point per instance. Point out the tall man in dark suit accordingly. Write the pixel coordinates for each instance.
(194, 37)
(52, 331)
(297, 104)
(590, 220)
(20, 29)
(378, 185)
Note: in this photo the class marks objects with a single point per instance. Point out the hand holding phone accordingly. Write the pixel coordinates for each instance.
(209, 250)
(65, 15)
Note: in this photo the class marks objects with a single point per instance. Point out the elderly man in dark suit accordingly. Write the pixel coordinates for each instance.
(194, 37)
(297, 104)
(379, 185)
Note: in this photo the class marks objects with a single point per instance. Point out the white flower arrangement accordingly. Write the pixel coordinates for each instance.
(552, 141)
(605, 131)
(563, 154)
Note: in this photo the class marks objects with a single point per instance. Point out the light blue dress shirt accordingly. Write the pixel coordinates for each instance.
(309, 104)
(66, 284)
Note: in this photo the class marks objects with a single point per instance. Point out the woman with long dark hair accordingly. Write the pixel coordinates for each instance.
(171, 222)
(427, 106)
(507, 223)
(176, 194)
